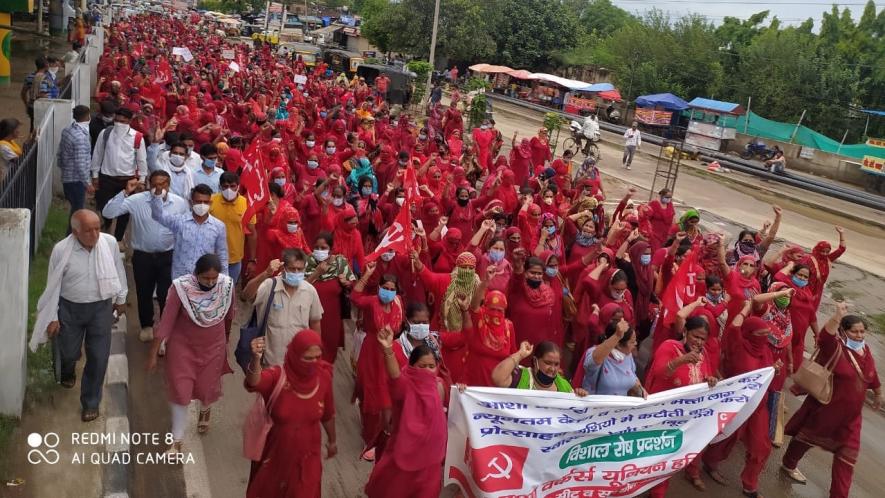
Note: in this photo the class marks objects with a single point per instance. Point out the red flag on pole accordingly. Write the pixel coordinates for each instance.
(683, 288)
(397, 237)
(410, 185)
(254, 180)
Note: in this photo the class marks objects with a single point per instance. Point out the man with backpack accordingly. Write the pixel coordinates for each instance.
(37, 85)
(119, 156)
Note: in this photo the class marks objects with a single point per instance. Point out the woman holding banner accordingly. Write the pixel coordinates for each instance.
(835, 427)
(543, 375)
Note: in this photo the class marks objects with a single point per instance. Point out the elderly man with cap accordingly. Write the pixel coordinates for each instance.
(119, 156)
(85, 284)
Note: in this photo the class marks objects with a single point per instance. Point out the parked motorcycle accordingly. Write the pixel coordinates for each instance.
(758, 149)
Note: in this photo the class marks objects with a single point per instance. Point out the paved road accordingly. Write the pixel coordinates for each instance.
(222, 473)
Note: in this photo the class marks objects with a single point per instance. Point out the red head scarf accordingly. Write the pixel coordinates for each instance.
(304, 375)
(645, 280)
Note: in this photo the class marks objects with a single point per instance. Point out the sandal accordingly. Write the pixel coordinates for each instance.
(368, 455)
(751, 494)
(696, 482)
(89, 415)
(794, 474)
(203, 421)
(715, 475)
(69, 383)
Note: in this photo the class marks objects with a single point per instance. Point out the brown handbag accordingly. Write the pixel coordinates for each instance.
(817, 379)
(569, 306)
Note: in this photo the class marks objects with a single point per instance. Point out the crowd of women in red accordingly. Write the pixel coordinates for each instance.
(519, 270)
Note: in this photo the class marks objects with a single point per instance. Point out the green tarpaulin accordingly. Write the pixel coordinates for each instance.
(775, 130)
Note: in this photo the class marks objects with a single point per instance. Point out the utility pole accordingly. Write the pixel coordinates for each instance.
(432, 52)
(795, 131)
(266, 18)
(747, 119)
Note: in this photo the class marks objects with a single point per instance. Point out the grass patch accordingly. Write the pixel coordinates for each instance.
(40, 381)
(878, 323)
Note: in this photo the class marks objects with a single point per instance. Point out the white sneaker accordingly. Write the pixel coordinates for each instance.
(628, 166)
(146, 334)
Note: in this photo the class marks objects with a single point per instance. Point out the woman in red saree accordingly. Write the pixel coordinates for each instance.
(331, 277)
(483, 137)
(746, 346)
(540, 149)
(412, 461)
(803, 312)
(836, 427)
(682, 363)
(379, 311)
(521, 160)
(820, 260)
(291, 464)
(348, 240)
(532, 303)
(661, 215)
(490, 338)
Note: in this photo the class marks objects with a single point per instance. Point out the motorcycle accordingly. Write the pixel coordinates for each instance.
(758, 149)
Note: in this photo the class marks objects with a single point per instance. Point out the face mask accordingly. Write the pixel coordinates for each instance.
(854, 345)
(483, 127)
(422, 137)
(320, 254)
(200, 209)
(665, 200)
(366, 190)
(323, 114)
(543, 378)
(584, 240)
(534, 284)
(313, 164)
(388, 256)
(280, 181)
(337, 201)
(330, 150)
(747, 247)
(291, 227)
(190, 150)
(206, 288)
(293, 278)
(551, 230)
(209, 163)
(551, 271)
(618, 295)
(403, 162)
(463, 202)
(121, 128)
(782, 302)
(53, 70)
(107, 119)
(645, 259)
(386, 296)
(714, 299)
(310, 144)
(548, 201)
(419, 331)
(496, 255)
(798, 282)
(84, 125)
(617, 355)
(229, 194)
(400, 201)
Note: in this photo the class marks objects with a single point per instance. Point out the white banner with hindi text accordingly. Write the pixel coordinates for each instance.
(509, 443)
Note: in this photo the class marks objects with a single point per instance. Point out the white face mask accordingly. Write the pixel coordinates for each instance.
(200, 209)
(388, 256)
(321, 254)
(419, 331)
(292, 227)
(176, 161)
(121, 128)
(400, 201)
(229, 194)
(53, 70)
(161, 196)
(84, 125)
(337, 201)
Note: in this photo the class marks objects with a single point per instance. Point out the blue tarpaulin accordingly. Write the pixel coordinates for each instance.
(873, 112)
(598, 87)
(716, 106)
(668, 101)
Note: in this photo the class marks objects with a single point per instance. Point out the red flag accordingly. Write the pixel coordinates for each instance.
(496, 468)
(683, 288)
(254, 180)
(397, 237)
(410, 185)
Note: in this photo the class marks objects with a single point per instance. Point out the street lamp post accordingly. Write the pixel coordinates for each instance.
(432, 52)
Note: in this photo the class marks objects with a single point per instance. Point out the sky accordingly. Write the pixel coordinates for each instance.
(788, 11)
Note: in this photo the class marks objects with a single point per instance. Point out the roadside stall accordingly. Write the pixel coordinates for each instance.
(660, 112)
(705, 130)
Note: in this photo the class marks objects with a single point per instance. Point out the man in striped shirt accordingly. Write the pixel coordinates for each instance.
(74, 159)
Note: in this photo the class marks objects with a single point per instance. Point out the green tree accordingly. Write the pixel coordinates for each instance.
(373, 26)
(526, 32)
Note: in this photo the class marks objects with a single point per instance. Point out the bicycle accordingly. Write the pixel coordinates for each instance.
(589, 149)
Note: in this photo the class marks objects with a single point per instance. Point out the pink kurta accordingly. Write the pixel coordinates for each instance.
(196, 357)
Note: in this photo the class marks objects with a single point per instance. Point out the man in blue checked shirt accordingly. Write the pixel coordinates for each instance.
(151, 243)
(74, 158)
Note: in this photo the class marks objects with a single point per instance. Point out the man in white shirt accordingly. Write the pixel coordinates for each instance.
(208, 173)
(632, 141)
(85, 285)
(152, 244)
(119, 156)
(181, 176)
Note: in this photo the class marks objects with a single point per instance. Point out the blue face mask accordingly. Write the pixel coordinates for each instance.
(798, 282)
(551, 230)
(645, 259)
(386, 296)
(585, 240)
(209, 163)
(280, 181)
(714, 299)
(323, 114)
(293, 279)
(551, 271)
(854, 345)
(366, 190)
(496, 255)
(313, 164)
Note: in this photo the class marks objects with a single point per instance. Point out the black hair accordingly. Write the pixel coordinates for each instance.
(229, 177)
(618, 276)
(325, 235)
(849, 321)
(202, 188)
(414, 308)
(744, 233)
(712, 280)
(663, 191)
(461, 189)
(80, 112)
(179, 145)
(543, 348)
(799, 266)
(159, 172)
(108, 107)
(207, 262)
(207, 149)
(276, 190)
(185, 136)
(7, 126)
(171, 137)
(533, 261)
(293, 254)
(697, 322)
(610, 330)
(389, 277)
(419, 352)
(41, 63)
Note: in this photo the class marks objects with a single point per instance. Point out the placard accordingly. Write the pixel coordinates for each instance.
(228, 54)
(653, 117)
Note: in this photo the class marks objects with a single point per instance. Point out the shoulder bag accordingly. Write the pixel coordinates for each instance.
(817, 379)
(259, 422)
(254, 329)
